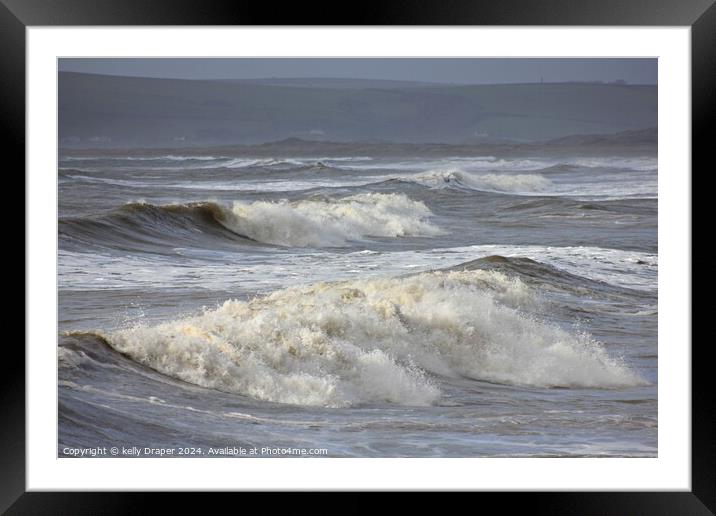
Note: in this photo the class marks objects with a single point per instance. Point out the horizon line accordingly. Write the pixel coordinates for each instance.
(621, 82)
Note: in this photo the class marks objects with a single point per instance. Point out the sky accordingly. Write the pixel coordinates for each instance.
(443, 70)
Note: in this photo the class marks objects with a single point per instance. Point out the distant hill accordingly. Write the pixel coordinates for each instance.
(332, 83)
(627, 143)
(648, 136)
(112, 111)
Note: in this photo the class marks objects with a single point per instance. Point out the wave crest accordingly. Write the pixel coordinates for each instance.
(380, 340)
(331, 222)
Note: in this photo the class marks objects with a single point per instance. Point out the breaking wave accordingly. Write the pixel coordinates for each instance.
(316, 222)
(331, 222)
(374, 341)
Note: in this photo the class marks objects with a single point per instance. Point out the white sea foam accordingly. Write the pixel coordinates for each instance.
(641, 163)
(498, 182)
(379, 340)
(268, 162)
(331, 222)
(282, 185)
(170, 157)
(107, 181)
(284, 162)
(238, 163)
(607, 184)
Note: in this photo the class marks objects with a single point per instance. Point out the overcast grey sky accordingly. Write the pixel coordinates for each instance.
(467, 70)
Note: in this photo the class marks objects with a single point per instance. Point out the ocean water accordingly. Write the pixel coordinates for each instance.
(358, 305)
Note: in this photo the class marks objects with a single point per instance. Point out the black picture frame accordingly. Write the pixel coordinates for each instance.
(700, 15)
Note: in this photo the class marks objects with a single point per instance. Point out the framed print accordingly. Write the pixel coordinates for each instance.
(425, 249)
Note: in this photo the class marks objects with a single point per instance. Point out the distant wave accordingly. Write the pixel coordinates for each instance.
(546, 181)
(301, 163)
(634, 163)
(494, 182)
(228, 162)
(248, 162)
(471, 164)
(378, 340)
(169, 157)
(489, 164)
(318, 222)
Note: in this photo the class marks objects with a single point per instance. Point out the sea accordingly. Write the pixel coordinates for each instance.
(359, 304)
